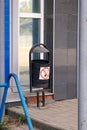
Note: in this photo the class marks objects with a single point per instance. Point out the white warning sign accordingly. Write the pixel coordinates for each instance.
(44, 73)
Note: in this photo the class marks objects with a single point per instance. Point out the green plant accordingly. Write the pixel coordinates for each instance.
(18, 107)
(4, 126)
(22, 118)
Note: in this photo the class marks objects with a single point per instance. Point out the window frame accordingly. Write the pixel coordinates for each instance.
(14, 33)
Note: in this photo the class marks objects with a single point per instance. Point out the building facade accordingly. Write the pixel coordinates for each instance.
(24, 23)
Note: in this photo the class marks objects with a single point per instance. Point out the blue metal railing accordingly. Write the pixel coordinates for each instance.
(6, 86)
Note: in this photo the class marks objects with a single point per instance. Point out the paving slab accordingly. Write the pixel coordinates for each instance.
(56, 115)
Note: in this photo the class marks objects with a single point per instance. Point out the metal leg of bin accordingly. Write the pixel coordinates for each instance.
(37, 99)
(43, 98)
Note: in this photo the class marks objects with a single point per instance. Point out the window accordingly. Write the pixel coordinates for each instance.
(29, 6)
(31, 32)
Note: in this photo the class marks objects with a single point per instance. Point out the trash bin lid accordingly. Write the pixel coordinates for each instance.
(40, 49)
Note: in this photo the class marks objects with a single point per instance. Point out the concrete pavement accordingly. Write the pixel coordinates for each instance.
(56, 115)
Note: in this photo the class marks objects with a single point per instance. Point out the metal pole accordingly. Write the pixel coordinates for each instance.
(37, 99)
(82, 82)
(43, 98)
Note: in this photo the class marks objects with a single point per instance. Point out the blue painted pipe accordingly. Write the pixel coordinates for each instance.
(3, 100)
(22, 100)
(3, 85)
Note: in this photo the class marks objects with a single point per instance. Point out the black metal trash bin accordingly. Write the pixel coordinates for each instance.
(39, 68)
(40, 73)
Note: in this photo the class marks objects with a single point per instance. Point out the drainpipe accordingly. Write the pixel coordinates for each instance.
(82, 82)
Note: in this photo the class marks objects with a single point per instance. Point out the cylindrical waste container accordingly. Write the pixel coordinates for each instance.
(40, 73)
(39, 68)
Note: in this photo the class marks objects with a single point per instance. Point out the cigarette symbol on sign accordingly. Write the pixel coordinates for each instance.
(44, 73)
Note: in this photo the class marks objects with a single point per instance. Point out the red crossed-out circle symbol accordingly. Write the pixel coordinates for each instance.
(44, 73)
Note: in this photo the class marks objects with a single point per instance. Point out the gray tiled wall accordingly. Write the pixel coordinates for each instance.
(48, 33)
(65, 84)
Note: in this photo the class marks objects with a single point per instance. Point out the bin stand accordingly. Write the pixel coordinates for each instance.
(43, 98)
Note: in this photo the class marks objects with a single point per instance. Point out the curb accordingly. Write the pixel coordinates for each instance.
(37, 124)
